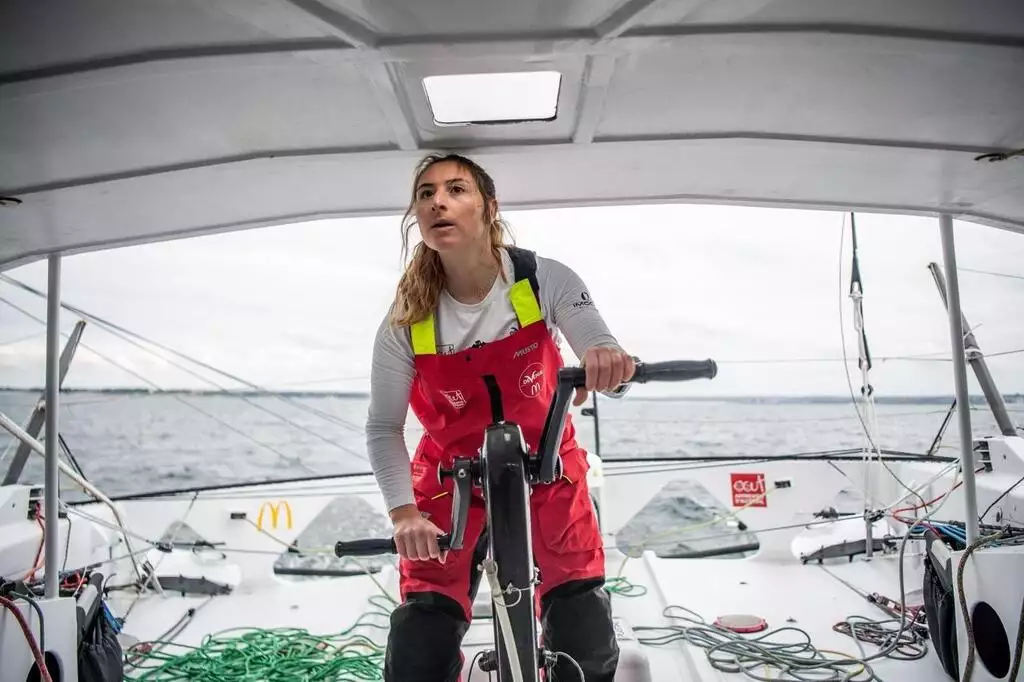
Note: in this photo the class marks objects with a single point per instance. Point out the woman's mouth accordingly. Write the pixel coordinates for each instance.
(442, 223)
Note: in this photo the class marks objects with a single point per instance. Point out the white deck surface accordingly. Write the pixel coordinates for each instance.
(785, 594)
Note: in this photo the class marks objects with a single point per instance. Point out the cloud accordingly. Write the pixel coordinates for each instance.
(297, 305)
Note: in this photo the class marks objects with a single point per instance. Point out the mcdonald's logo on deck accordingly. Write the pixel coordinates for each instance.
(275, 513)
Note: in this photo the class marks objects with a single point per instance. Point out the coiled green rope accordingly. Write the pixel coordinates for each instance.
(623, 587)
(271, 655)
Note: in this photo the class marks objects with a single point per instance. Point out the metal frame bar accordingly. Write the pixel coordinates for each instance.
(38, 418)
(963, 407)
(52, 479)
(351, 41)
(623, 18)
(378, 151)
(593, 94)
(976, 359)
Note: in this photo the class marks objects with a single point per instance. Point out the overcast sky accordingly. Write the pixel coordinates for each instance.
(297, 306)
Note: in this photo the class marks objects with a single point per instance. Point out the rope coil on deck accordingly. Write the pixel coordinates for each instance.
(770, 657)
(272, 654)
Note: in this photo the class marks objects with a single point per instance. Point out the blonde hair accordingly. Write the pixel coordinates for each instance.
(420, 285)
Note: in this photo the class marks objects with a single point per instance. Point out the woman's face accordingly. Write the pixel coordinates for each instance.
(450, 208)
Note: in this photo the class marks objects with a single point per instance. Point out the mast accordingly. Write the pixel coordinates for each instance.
(963, 405)
(866, 390)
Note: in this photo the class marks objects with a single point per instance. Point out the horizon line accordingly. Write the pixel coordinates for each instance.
(805, 397)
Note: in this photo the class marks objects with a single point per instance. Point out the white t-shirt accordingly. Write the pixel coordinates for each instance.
(566, 306)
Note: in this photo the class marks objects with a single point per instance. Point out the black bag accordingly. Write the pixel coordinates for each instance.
(940, 613)
(100, 658)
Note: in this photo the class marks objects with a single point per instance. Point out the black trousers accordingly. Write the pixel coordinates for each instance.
(427, 631)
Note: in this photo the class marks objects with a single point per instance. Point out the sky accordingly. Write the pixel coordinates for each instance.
(297, 306)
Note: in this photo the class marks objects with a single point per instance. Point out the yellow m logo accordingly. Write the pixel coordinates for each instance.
(275, 512)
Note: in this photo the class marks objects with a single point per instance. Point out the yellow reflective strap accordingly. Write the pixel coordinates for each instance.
(524, 302)
(423, 337)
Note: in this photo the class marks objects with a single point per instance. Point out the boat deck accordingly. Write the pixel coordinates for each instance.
(787, 595)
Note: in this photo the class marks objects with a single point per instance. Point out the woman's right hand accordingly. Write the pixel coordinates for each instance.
(415, 535)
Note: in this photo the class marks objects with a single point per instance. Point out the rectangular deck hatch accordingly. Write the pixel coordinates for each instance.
(488, 98)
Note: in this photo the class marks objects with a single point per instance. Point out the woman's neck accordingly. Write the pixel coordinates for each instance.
(470, 274)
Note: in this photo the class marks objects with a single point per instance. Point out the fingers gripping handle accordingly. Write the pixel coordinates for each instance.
(576, 377)
(375, 546)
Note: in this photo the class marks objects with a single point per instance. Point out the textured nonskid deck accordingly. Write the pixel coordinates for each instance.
(331, 606)
(786, 595)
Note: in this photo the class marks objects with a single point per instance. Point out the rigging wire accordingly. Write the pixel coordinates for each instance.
(842, 336)
(989, 272)
(1001, 496)
(122, 332)
(19, 339)
(855, 278)
(251, 402)
(936, 356)
(244, 434)
(770, 420)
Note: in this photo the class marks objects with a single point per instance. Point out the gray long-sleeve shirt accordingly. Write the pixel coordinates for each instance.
(566, 306)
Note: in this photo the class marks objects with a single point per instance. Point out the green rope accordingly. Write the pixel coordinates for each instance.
(623, 587)
(285, 654)
(272, 654)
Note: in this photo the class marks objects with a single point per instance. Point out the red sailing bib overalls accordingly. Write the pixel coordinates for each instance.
(449, 397)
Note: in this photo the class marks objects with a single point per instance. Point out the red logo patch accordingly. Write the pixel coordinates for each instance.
(748, 490)
(531, 381)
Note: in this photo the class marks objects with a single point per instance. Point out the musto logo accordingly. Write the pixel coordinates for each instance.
(531, 381)
(748, 490)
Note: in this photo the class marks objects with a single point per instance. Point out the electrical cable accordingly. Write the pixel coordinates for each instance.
(472, 666)
(579, 670)
(29, 637)
(30, 600)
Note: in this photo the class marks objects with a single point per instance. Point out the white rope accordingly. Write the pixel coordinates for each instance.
(491, 571)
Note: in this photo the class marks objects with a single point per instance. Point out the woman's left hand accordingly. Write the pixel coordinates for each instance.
(607, 367)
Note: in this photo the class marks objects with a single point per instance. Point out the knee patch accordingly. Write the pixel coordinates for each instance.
(576, 618)
(424, 640)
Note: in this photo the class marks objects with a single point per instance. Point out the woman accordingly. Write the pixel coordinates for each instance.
(468, 305)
